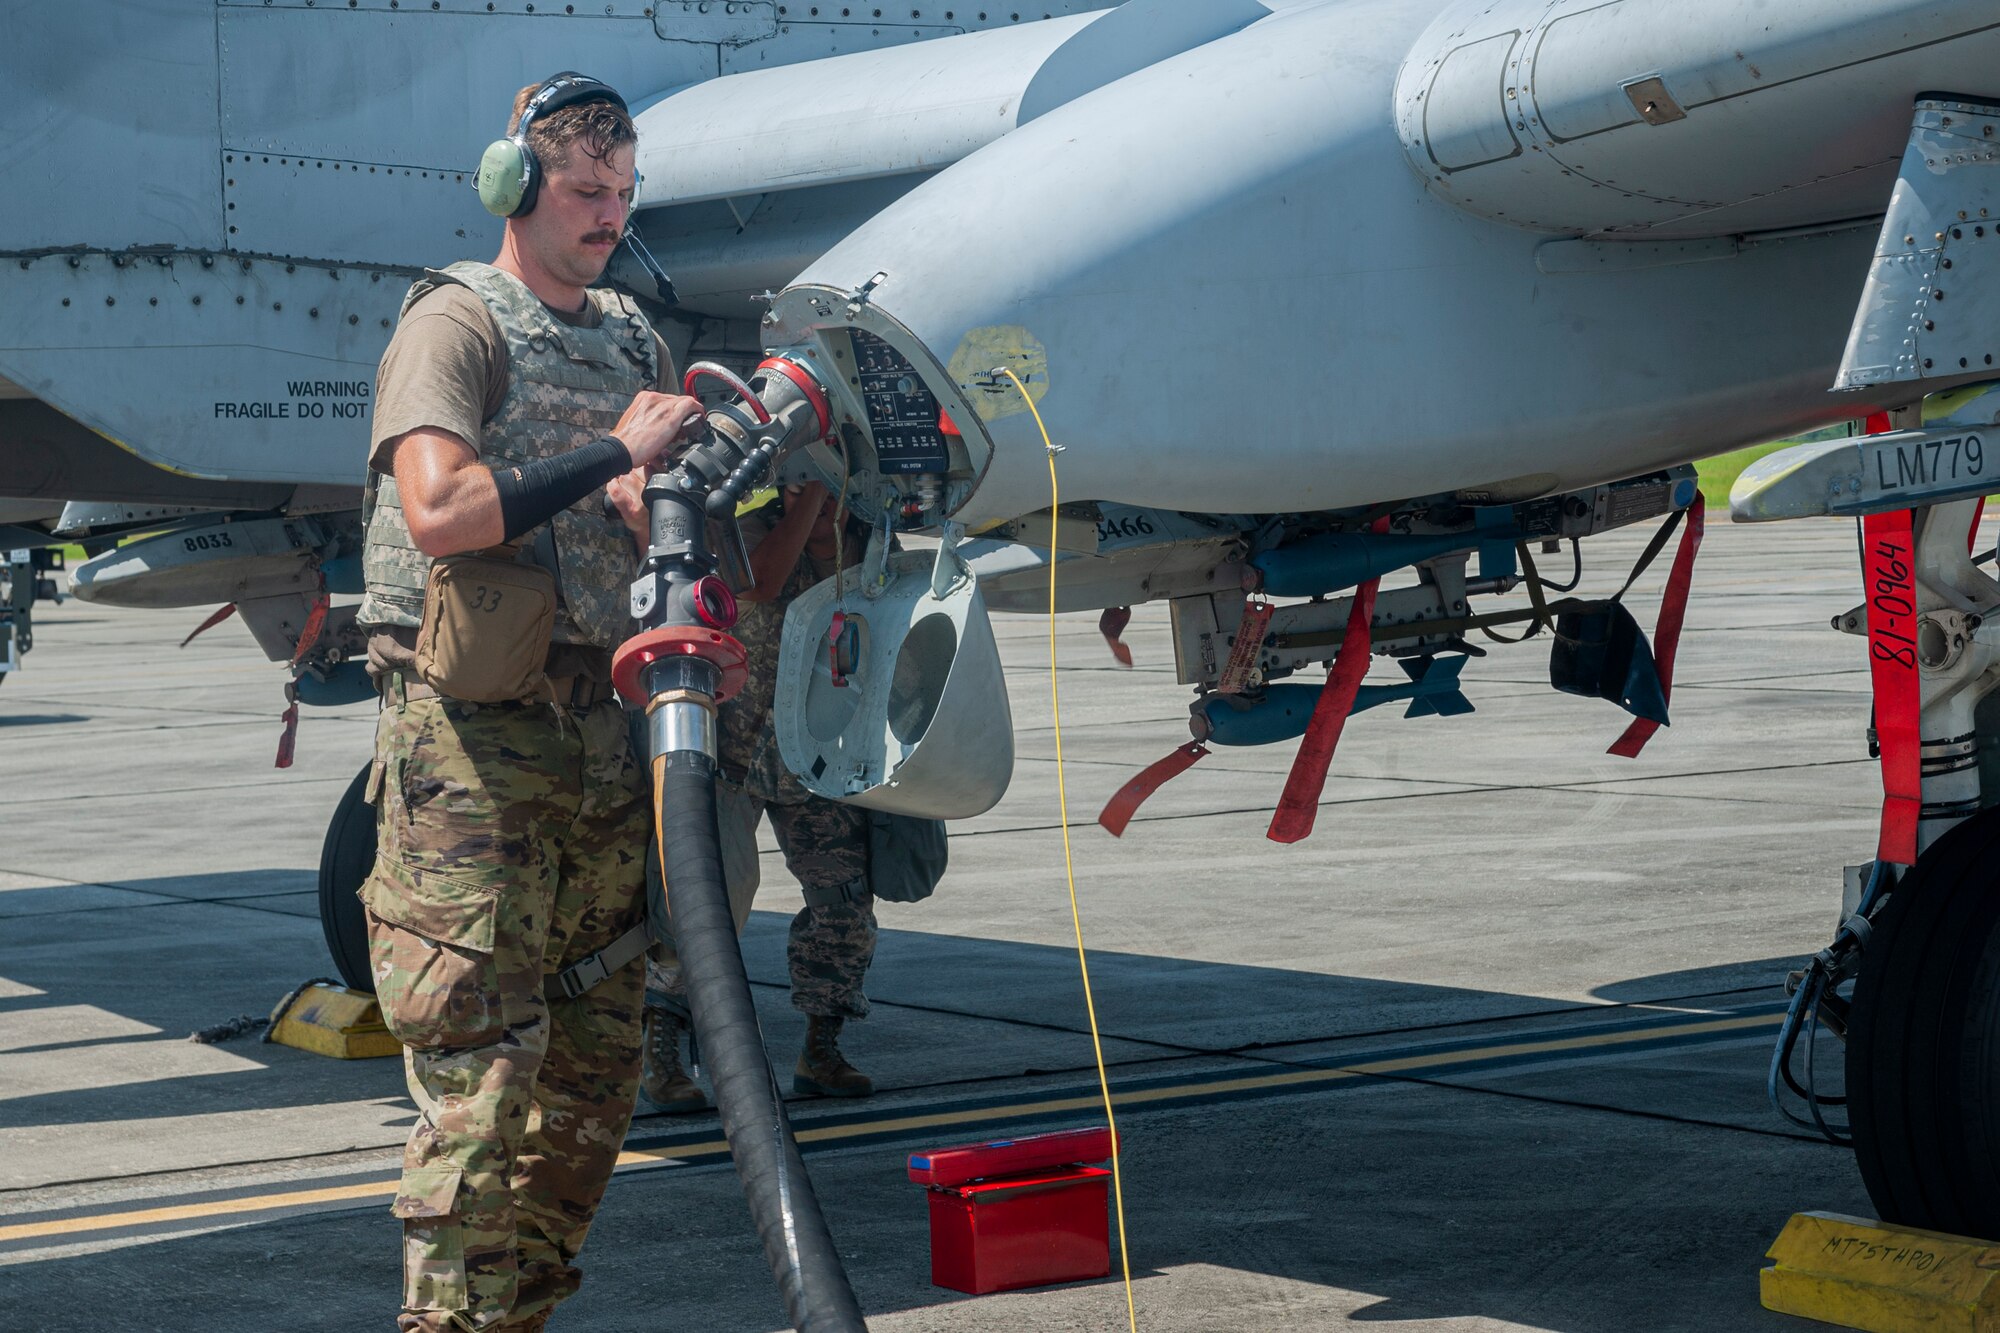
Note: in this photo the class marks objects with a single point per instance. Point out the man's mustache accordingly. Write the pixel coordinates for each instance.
(608, 237)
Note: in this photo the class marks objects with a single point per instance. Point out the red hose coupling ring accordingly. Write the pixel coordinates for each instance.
(719, 650)
(808, 386)
(714, 604)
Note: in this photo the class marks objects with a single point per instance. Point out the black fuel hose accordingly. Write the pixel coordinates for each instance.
(797, 1244)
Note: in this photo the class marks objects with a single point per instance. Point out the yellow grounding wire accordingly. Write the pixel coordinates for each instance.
(1069, 868)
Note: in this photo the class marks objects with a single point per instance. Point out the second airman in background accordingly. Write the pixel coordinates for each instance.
(795, 542)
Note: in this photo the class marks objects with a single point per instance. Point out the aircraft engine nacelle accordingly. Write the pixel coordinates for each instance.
(1678, 120)
(747, 178)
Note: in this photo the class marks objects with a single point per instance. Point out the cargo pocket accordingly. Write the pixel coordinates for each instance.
(430, 953)
(433, 1238)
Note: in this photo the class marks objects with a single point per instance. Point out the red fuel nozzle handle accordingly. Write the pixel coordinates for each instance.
(702, 370)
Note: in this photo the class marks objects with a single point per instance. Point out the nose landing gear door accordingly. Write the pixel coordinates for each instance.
(895, 699)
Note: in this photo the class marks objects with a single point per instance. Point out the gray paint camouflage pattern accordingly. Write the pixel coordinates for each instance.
(566, 386)
(511, 844)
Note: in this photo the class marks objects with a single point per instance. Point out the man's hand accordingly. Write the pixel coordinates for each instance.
(656, 422)
(625, 494)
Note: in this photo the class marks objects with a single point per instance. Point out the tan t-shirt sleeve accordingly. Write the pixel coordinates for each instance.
(445, 369)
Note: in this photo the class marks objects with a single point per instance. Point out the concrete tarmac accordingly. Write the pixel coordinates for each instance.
(1486, 1052)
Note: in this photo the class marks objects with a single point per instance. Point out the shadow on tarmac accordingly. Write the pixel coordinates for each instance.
(1379, 1201)
(39, 719)
(1402, 1204)
(949, 1012)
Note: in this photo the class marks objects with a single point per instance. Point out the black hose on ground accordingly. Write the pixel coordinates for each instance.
(797, 1244)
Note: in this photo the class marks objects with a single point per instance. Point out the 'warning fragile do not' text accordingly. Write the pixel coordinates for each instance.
(307, 400)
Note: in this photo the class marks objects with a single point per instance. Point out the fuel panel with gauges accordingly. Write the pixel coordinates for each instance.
(903, 415)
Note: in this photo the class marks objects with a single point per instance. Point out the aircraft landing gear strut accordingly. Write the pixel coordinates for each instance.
(1922, 943)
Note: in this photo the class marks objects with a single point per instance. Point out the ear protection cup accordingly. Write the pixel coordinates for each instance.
(509, 179)
(505, 170)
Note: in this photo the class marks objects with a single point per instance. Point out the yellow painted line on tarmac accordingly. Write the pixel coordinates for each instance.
(257, 1203)
(1290, 1078)
(1741, 1023)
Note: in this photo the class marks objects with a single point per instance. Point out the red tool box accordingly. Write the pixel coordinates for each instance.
(1022, 1212)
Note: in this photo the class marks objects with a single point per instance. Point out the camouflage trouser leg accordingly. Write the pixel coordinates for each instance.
(589, 1081)
(509, 845)
(832, 939)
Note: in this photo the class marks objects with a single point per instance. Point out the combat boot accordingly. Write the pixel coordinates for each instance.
(666, 1082)
(822, 1069)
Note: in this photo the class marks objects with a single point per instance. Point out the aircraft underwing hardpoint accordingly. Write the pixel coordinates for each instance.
(1309, 292)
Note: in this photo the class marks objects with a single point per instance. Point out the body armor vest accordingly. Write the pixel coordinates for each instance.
(566, 386)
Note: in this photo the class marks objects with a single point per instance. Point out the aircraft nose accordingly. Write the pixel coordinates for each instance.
(1098, 251)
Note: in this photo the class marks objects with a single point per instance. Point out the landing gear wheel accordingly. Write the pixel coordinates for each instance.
(344, 862)
(1923, 1049)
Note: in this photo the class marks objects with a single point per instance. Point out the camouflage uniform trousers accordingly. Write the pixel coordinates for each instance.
(832, 939)
(510, 845)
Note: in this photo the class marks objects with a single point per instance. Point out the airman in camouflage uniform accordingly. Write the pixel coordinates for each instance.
(511, 835)
(825, 845)
(509, 845)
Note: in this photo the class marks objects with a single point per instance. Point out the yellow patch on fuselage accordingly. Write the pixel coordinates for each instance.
(982, 351)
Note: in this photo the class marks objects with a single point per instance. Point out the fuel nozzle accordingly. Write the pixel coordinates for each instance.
(779, 409)
(685, 609)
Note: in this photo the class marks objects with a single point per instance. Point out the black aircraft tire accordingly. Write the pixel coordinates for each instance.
(1924, 1097)
(1893, 1045)
(1980, 1088)
(1944, 920)
(344, 862)
(1876, 1050)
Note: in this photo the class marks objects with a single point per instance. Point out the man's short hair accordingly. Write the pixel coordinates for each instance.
(595, 127)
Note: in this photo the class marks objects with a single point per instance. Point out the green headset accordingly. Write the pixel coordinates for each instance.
(509, 179)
